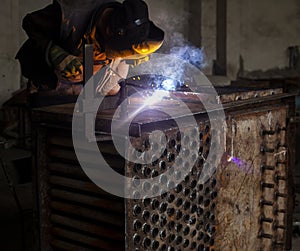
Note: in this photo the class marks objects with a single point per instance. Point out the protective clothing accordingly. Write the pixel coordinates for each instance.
(116, 70)
(58, 32)
(66, 24)
(67, 65)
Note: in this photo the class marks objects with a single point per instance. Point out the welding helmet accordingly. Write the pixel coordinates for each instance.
(131, 32)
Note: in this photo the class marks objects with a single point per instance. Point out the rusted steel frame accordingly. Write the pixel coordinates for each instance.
(98, 175)
(111, 232)
(58, 244)
(258, 102)
(62, 141)
(81, 211)
(74, 171)
(179, 212)
(291, 155)
(103, 122)
(223, 97)
(136, 128)
(267, 219)
(70, 155)
(94, 201)
(84, 239)
(244, 105)
(41, 188)
(77, 185)
(284, 243)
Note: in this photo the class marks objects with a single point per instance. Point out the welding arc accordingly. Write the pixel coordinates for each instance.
(160, 64)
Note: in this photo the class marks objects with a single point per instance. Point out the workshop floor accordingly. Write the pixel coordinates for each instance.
(16, 231)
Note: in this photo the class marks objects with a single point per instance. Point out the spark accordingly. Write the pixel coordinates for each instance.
(241, 164)
(229, 158)
(156, 97)
(169, 84)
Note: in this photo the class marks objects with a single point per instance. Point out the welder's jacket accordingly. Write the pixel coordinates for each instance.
(65, 23)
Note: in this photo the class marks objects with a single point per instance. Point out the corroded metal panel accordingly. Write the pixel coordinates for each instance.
(74, 213)
(252, 206)
(242, 206)
(184, 217)
(42, 189)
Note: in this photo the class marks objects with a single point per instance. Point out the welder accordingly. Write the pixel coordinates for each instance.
(52, 56)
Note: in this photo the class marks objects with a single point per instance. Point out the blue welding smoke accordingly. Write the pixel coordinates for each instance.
(179, 62)
(191, 54)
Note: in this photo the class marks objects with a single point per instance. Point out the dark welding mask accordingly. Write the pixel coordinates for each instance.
(132, 34)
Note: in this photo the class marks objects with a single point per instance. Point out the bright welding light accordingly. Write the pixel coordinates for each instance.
(229, 158)
(156, 97)
(169, 84)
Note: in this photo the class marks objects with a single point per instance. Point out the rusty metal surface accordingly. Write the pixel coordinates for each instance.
(254, 188)
(183, 218)
(73, 211)
(41, 190)
(248, 200)
(61, 115)
(244, 205)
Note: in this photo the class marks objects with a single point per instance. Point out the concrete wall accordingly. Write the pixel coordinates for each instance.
(208, 33)
(9, 71)
(260, 31)
(172, 16)
(192, 21)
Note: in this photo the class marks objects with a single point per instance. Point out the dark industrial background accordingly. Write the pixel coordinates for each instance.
(244, 43)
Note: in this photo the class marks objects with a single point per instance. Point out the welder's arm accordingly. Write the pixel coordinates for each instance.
(43, 27)
(108, 85)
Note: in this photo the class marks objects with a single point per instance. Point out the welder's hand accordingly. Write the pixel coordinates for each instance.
(116, 71)
(68, 66)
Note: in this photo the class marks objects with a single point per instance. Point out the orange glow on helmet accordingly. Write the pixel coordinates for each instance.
(147, 47)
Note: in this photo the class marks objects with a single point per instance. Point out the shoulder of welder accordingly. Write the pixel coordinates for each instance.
(76, 18)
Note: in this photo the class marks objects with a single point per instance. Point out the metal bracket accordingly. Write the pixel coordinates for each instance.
(295, 119)
(88, 93)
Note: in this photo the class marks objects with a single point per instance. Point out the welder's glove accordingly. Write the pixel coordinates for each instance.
(116, 71)
(67, 66)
